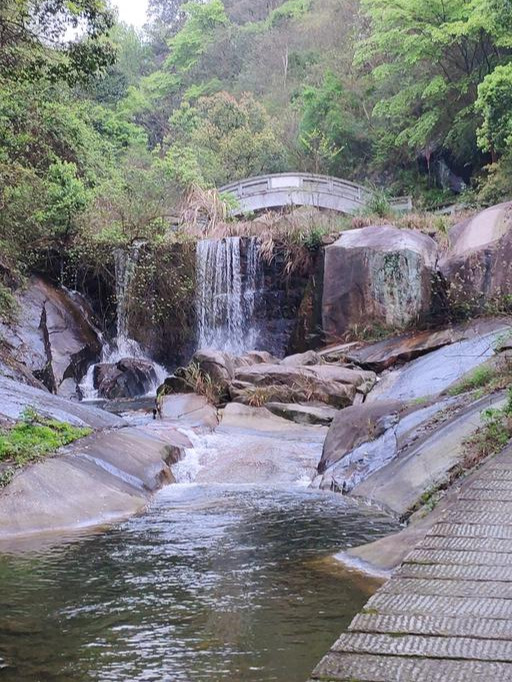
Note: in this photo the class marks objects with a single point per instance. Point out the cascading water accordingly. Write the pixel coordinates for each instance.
(227, 293)
(125, 262)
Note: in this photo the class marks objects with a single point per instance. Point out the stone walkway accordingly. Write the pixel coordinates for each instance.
(446, 613)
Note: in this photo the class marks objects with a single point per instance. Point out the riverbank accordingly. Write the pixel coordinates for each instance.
(96, 480)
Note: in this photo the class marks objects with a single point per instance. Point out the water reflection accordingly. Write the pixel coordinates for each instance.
(212, 583)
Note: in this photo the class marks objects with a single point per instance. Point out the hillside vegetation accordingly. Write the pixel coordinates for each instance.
(104, 129)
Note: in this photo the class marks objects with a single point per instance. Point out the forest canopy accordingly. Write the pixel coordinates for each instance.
(103, 127)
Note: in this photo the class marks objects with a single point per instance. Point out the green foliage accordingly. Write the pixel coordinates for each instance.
(8, 304)
(495, 105)
(29, 27)
(495, 183)
(332, 128)
(291, 9)
(378, 203)
(192, 41)
(222, 139)
(427, 58)
(33, 437)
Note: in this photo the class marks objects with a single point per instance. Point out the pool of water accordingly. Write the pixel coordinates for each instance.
(211, 583)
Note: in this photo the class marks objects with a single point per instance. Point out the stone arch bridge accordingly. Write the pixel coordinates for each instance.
(303, 189)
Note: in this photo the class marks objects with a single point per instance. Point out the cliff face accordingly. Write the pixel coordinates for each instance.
(52, 341)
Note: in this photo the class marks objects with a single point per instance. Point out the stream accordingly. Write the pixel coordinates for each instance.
(213, 582)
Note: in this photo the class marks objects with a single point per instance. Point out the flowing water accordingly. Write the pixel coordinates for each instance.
(213, 583)
(227, 294)
(123, 346)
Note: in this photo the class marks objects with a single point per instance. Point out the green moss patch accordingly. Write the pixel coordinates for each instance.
(33, 437)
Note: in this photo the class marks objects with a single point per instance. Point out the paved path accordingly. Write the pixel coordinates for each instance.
(446, 614)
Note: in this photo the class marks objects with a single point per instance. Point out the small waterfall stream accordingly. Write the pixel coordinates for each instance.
(230, 278)
(125, 262)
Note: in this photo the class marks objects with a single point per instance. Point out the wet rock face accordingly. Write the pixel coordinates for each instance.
(356, 425)
(128, 378)
(53, 336)
(478, 265)
(377, 275)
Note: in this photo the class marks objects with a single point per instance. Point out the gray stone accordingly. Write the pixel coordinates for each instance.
(354, 426)
(218, 365)
(333, 385)
(304, 413)
(127, 378)
(301, 359)
(97, 480)
(189, 409)
(377, 275)
(15, 397)
(431, 374)
(426, 464)
(478, 264)
(385, 354)
(53, 335)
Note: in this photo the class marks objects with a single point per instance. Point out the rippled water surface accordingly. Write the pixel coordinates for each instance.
(212, 583)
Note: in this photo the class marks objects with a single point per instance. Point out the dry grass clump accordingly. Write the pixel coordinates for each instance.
(304, 389)
(202, 384)
(202, 210)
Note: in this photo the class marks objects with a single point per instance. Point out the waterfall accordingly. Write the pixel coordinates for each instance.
(227, 293)
(125, 264)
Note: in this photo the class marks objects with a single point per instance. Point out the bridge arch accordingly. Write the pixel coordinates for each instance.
(303, 189)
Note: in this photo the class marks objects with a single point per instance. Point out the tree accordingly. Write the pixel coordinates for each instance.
(333, 129)
(495, 105)
(427, 58)
(224, 139)
(35, 43)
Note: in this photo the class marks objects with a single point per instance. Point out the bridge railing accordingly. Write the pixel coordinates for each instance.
(307, 182)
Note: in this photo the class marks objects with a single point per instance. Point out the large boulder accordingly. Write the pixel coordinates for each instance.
(128, 378)
(53, 336)
(333, 385)
(377, 276)
(478, 263)
(218, 365)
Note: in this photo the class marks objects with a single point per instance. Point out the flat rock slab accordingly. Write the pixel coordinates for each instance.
(435, 372)
(305, 413)
(446, 614)
(400, 484)
(384, 354)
